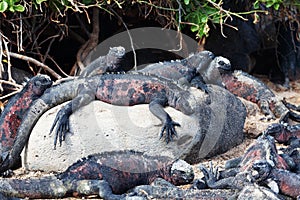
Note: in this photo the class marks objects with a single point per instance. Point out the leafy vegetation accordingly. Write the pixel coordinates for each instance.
(196, 14)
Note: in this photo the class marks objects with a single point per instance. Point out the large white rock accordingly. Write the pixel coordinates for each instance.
(100, 127)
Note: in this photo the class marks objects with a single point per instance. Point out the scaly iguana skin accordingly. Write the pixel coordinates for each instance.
(108, 175)
(283, 133)
(117, 89)
(202, 67)
(261, 164)
(218, 72)
(252, 89)
(15, 110)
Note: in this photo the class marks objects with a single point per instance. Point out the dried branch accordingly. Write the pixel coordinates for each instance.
(8, 62)
(58, 67)
(10, 94)
(129, 35)
(36, 62)
(18, 86)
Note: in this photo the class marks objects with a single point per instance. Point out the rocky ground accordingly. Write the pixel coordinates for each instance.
(253, 126)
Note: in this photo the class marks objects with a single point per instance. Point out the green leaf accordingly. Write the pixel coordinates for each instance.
(3, 6)
(269, 4)
(19, 8)
(186, 2)
(256, 5)
(204, 19)
(194, 28)
(276, 6)
(10, 2)
(11, 9)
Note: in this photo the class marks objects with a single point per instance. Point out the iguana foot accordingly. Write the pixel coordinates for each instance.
(210, 175)
(169, 127)
(63, 125)
(198, 83)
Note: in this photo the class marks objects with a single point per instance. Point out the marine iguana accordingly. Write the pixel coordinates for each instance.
(117, 89)
(261, 164)
(247, 87)
(16, 108)
(104, 64)
(109, 175)
(218, 72)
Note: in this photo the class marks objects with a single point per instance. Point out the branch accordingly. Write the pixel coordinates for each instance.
(36, 62)
(18, 86)
(10, 94)
(130, 37)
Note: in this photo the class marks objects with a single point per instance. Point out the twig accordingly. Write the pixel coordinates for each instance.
(94, 36)
(129, 35)
(12, 84)
(82, 26)
(8, 62)
(1, 55)
(58, 67)
(36, 62)
(178, 27)
(48, 49)
(20, 43)
(10, 94)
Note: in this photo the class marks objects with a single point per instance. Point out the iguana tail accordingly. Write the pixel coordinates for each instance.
(47, 187)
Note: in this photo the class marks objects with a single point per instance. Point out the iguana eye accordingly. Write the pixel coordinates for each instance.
(221, 63)
(211, 55)
(38, 83)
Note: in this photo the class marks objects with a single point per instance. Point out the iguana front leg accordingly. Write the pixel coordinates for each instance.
(157, 109)
(85, 96)
(199, 83)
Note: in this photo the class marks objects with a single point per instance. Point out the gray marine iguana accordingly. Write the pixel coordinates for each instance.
(16, 108)
(109, 175)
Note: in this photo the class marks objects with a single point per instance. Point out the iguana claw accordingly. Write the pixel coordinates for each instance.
(63, 125)
(169, 127)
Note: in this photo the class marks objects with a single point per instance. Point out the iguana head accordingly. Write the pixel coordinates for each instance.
(199, 60)
(212, 73)
(260, 170)
(40, 83)
(181, 173)
(221, 63)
